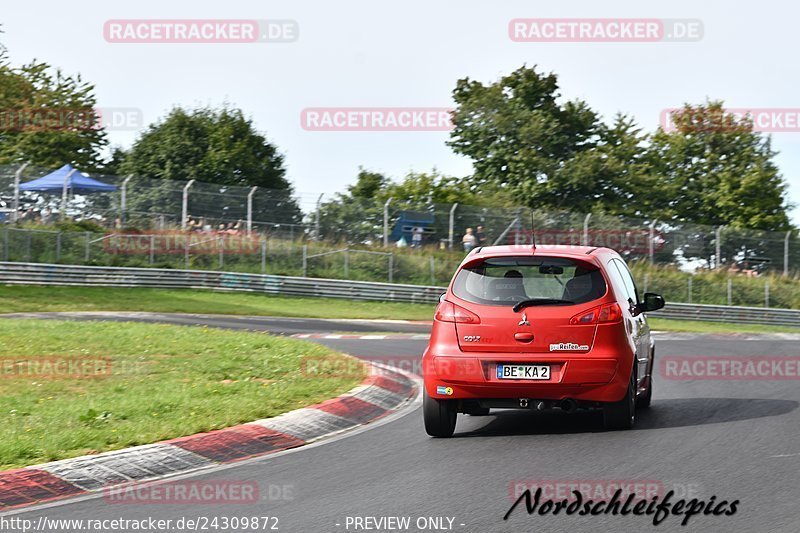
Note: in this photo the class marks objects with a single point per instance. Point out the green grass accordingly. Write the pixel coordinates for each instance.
(32, 299)
(164, 382)
(15, 299)
(667, 324)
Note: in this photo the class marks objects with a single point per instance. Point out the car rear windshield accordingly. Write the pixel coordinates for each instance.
(509, 280)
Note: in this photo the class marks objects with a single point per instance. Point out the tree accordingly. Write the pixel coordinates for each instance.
(48, 118)
(213, 146)
(552, 154)
(357, 215)
(717, 171)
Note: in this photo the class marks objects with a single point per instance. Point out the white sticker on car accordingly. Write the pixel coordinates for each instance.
(568, 347)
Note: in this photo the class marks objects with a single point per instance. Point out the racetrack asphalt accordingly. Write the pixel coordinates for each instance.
(736, 440)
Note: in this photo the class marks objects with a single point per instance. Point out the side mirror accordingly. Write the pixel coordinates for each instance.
(652, 302)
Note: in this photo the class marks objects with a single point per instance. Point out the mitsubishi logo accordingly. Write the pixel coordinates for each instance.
(524, 321)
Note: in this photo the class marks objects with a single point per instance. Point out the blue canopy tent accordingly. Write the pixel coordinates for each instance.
(65, 179)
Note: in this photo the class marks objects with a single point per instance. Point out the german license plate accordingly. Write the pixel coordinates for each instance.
(523, 371)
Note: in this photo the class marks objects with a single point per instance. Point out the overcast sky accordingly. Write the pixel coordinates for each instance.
(410, 54)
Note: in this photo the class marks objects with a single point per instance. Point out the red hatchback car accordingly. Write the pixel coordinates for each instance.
(539, 328)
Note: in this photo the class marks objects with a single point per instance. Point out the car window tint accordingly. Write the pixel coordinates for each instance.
(627, 279)
(508, 280)
(616, 280)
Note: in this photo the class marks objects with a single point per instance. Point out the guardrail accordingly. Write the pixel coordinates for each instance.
(79, 275)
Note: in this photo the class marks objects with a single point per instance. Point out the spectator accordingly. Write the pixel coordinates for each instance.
(480, 236)
(416, 236)
(469, 240)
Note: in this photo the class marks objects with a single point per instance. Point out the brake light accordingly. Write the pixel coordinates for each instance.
(587, 317)
(610, 313)
(604, 314)
(450, 312)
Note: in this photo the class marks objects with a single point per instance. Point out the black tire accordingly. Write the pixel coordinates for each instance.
(622, 414)
(643, 401)
(439, 415)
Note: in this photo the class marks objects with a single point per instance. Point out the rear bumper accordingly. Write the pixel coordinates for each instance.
(584, 377)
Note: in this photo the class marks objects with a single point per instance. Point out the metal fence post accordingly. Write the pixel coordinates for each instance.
(28, 246)
(690, 289)
(718, 247)
(433, 271)
(264, 255)
(786, 253)
(65, 192)
(386, 223)
(766, 294)
(730, 291)
(652, 246)
(452, 221)
(152, 248)
(346, 263)
(586, 229)
(317, 236)
(186, 253)
(185, 208)
(124, 200)
(58, 246)
(15, 205)
(250, 209)
(221, 248)
(305, 260)
(88, 244)
(391, 268)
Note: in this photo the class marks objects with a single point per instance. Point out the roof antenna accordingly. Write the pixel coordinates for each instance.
(533, 232)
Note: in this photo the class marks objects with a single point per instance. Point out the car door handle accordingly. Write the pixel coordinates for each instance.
(524, 337)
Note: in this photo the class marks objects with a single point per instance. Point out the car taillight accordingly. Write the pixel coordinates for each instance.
(610, 313)
(450, 312)
(587, 317)
(603, 314)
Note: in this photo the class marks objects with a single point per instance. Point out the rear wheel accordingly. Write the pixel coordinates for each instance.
(622, 414)
(439, 415)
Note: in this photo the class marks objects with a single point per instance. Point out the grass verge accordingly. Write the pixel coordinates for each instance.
(668, 324)
(17, 298)
(141, 383)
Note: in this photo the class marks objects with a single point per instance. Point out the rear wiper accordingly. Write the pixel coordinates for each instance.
(540, 301)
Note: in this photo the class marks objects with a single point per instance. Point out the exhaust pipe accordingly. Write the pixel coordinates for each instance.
(569, 405)
(523, 402)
